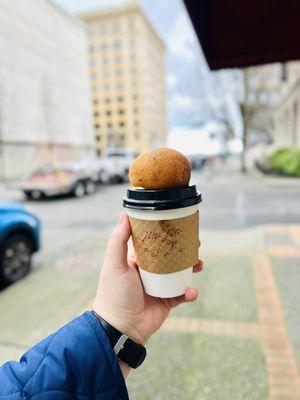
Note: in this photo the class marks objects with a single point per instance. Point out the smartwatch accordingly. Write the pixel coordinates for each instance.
(125, 349)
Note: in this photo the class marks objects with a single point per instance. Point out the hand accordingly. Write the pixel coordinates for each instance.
(121, 299)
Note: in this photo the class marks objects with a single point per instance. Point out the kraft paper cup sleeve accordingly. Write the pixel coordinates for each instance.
(166, 246)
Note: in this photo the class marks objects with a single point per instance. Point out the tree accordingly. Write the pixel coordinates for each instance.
(244, 111)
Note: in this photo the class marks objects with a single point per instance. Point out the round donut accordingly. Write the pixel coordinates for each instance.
(162, 168)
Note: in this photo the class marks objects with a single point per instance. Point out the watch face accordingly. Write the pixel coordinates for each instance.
(141, 358)
(132, 353)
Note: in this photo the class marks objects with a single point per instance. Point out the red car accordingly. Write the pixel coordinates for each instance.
(56, 180)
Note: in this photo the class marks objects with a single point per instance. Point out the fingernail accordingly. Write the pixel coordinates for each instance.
(121, 219)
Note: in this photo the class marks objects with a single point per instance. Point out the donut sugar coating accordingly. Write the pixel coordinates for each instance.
(162, 168)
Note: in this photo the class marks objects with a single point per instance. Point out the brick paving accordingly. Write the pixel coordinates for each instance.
(284, 252)
(282, 369)
(283, 374)
(270, 329)
(211, 327)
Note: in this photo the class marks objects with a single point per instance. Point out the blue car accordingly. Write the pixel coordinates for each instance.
(19, 239)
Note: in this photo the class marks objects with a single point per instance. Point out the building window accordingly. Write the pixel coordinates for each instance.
(116, 26)
(119, 85)
(98, 138)
(106, 86)
(108, 112)
(93, 75)
(119, 72)
(96, 114)
(97, 126)
(117, 44)
(131, 24)
(91, 30)
(92, 49)
(103, 29)
(135, 97)
(107, 100)
(104, 61)
(118, 59)
(120, 99)
(122, 139)
(95, 101)
(109, 125)
(121, 111)
(103, 46)
(98, 152)
(135, 110)
(136, 123)
(122, 124)
(136, 135)
(111, 140)
(106, 74)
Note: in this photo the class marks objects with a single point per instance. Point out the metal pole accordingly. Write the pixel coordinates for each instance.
(245, 121)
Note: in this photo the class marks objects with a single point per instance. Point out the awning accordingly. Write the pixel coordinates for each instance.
(241, 33)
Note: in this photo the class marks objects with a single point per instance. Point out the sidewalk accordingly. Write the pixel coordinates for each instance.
(49, 297)
(275, 181)
(239, 341)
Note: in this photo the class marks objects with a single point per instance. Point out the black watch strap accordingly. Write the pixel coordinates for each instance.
(125, 349)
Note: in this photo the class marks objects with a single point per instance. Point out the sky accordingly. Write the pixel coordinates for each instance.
(191, 87)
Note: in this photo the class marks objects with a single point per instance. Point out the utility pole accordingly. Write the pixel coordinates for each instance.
(245, 121)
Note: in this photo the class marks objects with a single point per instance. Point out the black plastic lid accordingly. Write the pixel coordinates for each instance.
(161, 199)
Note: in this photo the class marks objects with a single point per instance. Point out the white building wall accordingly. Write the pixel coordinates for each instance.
(287, 122)
(45, 109)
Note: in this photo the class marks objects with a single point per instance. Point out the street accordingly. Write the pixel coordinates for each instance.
(249, 229)
(229, 202)
(68, 222)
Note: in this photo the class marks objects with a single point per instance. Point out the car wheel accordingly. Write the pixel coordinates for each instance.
(126, 176)
(27, 195)
(90, 187)
(104, 176)
(79, 190)
(36, 194)
(15, 258)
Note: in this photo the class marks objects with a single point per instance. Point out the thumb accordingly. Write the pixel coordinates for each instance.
(116, 252)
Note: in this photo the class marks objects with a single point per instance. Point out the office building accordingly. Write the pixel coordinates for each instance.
(45, 107)
(127, 73)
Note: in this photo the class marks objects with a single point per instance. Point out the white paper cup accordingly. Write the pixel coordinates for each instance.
(168, 284)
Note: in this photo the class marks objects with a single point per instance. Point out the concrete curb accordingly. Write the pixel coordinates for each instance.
(275, 181)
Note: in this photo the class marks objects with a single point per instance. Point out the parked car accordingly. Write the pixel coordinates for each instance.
(114, 165)
(54, 180)
(90, 167)
(20, 232)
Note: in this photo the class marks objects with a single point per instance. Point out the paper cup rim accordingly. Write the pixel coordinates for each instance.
(162, 199)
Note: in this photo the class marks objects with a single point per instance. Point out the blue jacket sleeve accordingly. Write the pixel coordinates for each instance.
(76, 362)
